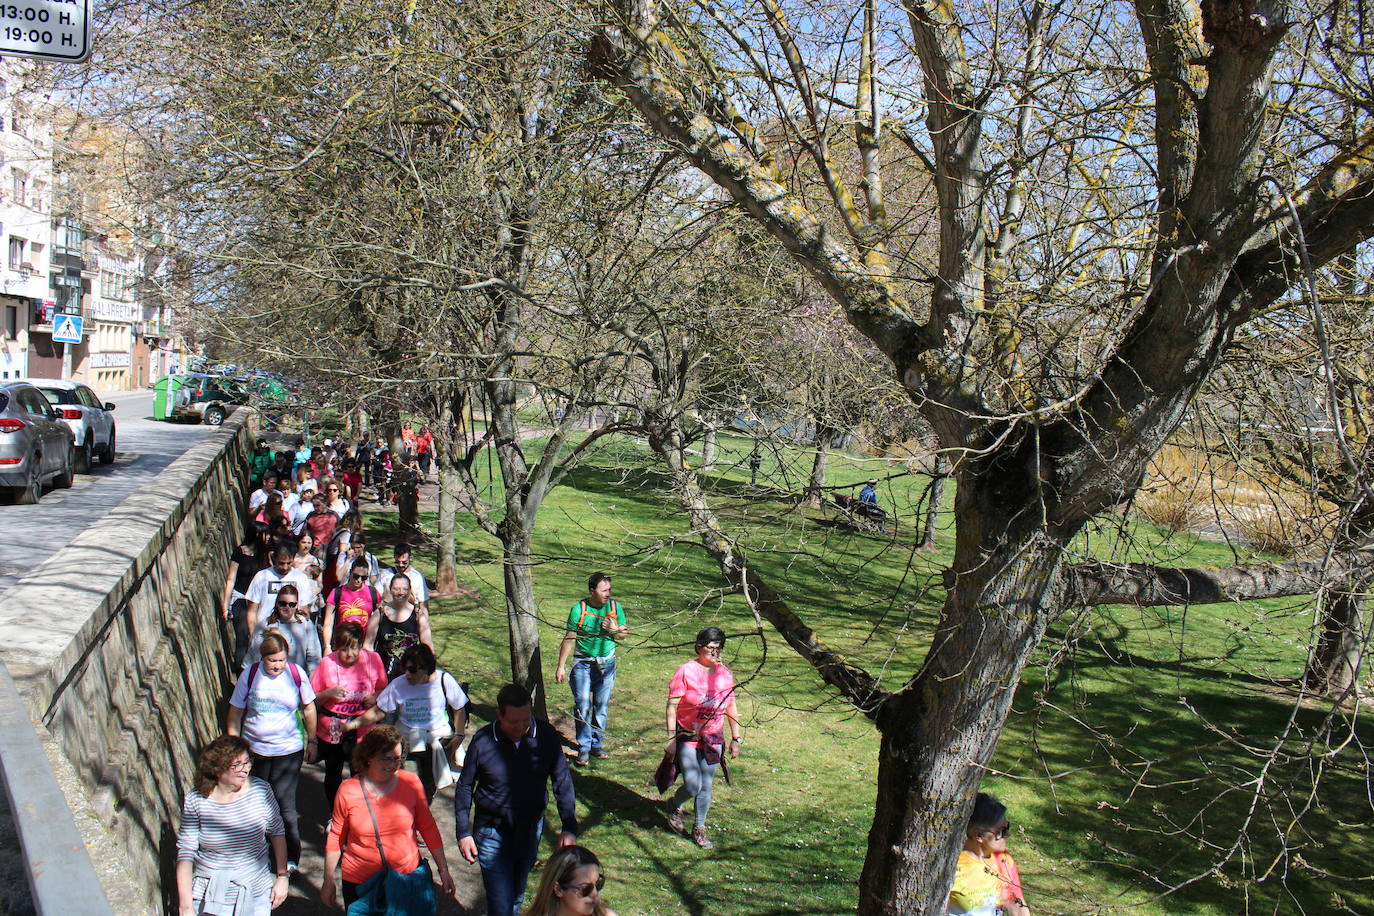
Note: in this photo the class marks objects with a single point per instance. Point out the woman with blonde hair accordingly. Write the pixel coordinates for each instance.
(571, 885)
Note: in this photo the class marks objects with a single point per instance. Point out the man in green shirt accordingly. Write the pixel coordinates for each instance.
(594, 625)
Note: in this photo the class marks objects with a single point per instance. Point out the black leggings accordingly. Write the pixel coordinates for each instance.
(424, 765)
(238, 616)
(334, 756)
(283, 774)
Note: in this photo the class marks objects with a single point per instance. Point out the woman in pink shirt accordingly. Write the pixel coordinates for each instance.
(701, 701)
(346, 683)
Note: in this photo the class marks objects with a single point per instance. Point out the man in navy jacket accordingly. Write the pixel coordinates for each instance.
(506, 774)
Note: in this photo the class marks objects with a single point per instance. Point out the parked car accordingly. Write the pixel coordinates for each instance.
(213, 396)
(185, 395)
(89, 419)
(36, 447)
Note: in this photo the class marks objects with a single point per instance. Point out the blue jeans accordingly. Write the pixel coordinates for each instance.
(592, 681)
(506, 859)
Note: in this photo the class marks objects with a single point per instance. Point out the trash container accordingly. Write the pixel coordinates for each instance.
(165, 392)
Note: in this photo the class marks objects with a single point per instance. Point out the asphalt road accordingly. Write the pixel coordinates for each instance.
(31, 534)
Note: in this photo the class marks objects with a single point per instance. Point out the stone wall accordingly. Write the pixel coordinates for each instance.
(118, 648)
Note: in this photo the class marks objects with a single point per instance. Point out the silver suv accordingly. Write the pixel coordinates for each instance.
(35, 446)
(90, 420)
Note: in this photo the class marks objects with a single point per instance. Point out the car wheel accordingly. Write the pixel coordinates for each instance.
(214, 416)
(108, 456)
(30, 493)
(64, 480)
(81, 457)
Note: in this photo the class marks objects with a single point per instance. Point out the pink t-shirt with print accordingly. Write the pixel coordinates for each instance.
(365, 677)
(705, 694)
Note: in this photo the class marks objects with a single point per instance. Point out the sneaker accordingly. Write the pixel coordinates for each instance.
(600, 752)
(583, 758)
(292, 868)
(675, 820)
(700, 838)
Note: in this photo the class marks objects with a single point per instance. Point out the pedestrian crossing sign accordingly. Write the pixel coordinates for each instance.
(66, 328)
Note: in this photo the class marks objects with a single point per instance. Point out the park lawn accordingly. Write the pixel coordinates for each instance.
(1143, 717)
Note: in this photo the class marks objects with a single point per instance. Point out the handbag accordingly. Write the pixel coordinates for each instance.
(390, 893)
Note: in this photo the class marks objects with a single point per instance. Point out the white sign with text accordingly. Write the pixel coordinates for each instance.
(54, 30)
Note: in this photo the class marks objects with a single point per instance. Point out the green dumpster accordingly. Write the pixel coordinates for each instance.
(165, 391)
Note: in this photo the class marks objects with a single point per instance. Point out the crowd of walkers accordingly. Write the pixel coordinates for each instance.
(304, 579)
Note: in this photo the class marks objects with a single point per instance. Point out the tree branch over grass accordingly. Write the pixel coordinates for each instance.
(1147, 585)
(853, 682)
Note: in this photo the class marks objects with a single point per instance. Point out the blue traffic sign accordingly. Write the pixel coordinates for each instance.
(66, 328)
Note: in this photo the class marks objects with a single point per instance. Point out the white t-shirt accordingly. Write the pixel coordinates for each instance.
(422, 707)
(419, 589)
(258, 499)
(265, 585)
(269, 716)
(298, 514)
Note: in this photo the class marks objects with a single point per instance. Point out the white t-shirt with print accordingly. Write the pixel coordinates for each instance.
(423, 706)
(269, 715)
(265, 585)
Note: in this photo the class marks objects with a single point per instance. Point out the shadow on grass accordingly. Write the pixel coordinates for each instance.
(1164, 765)
(774, 875)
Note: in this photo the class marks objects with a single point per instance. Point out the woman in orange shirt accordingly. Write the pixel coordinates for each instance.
(398, 803)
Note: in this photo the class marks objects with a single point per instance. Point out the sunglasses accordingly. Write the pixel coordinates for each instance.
(332, 490)
(585, 890)
(357, 575)
(286, 604)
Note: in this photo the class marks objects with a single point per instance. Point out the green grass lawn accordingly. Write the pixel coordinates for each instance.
(1134, 754)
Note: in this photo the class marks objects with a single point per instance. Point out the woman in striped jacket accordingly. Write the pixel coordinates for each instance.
(228, 822)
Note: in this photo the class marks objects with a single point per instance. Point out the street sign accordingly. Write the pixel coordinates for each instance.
(53, 30)
(66, 328)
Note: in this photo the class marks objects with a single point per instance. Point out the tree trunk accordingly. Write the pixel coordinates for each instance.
(446, 558)
(408, 507)
(941, 730)
(932, 516)
(522, 498)
(708, 448)
(1336, 662)
(816, 483)
(521, 614)
(446, 447)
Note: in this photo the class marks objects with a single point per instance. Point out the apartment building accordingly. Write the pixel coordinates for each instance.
(113, 258)
(26, 181)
